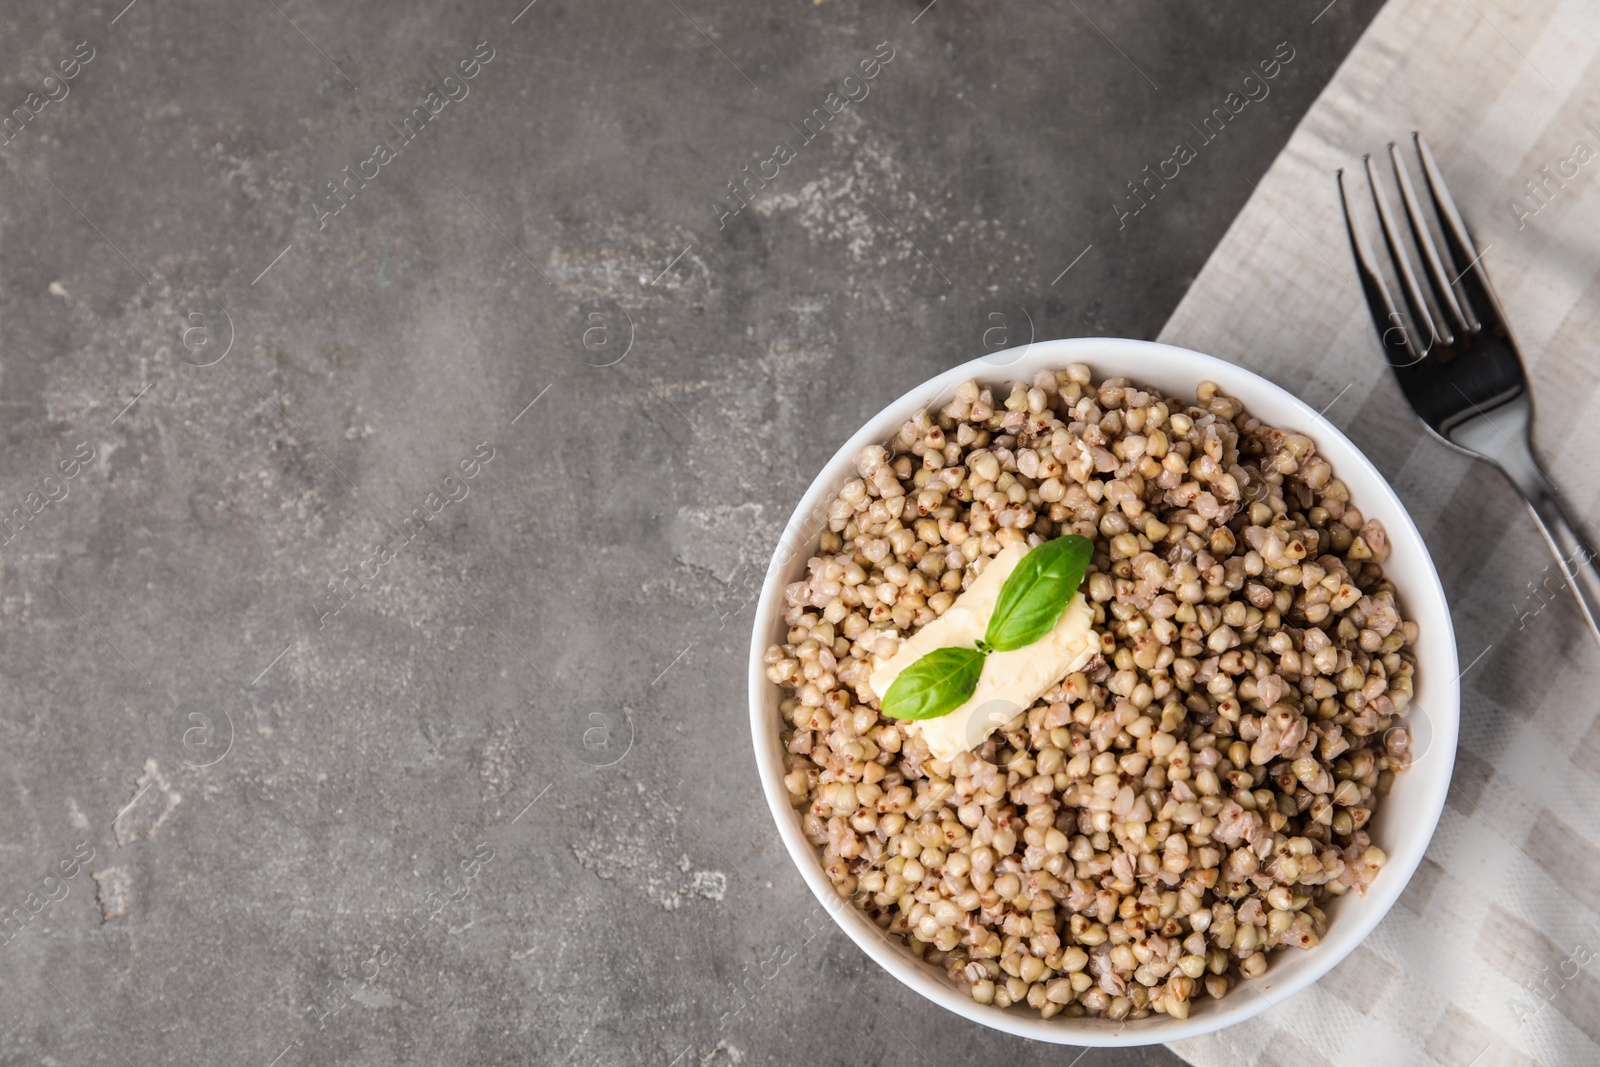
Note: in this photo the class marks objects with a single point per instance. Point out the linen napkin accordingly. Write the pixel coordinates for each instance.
(1492, 956)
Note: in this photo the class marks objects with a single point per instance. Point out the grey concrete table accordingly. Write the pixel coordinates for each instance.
(400, 403)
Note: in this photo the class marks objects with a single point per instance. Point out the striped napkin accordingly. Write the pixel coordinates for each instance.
(1492, 956)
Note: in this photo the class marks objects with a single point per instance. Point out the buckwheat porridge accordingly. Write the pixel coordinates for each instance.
(1188, 798)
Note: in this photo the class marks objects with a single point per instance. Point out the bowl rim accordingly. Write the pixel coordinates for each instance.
(1422, 591)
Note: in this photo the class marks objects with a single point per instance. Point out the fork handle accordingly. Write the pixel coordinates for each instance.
(1575, 554)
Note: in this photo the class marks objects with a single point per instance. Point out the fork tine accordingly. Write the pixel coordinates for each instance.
(1443, 292)
(1401, 350)
(1420, 310)
(1459, 241)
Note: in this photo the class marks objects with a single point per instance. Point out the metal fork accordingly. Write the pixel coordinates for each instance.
(1453, 355)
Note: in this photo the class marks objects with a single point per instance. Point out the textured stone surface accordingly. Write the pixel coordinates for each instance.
(525, 723)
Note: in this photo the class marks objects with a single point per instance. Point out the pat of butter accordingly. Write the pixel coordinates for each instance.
(1011, 681)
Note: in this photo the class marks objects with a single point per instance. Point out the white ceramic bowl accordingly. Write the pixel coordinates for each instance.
(1404, 822)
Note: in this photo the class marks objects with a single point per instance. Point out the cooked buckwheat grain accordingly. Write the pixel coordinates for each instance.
(1149, 831)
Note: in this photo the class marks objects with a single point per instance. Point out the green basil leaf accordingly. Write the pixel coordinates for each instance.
(1038, 591)
(935, 685)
